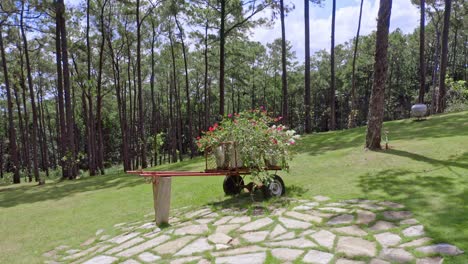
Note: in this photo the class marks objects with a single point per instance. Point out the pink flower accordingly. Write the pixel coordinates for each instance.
(229, 115)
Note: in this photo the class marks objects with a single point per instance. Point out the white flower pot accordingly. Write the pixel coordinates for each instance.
(235, 159)
(419, 110)
(220, 157)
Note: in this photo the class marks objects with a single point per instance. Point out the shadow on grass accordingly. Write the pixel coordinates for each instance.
(460, 162)
(442, 199)
(16, 195)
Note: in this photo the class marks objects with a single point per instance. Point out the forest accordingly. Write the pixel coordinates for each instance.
(133, 83)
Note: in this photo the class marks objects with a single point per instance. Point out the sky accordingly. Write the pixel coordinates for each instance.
(404, 16)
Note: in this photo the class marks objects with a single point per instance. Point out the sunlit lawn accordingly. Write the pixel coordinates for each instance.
(426, 169)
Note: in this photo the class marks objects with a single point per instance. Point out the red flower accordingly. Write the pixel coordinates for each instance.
(198, 138)
(230, 115)
(211, 129)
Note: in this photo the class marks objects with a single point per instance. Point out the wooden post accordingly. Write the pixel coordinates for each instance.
(162, 199)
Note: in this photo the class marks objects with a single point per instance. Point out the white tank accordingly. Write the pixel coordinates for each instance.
(418, 110)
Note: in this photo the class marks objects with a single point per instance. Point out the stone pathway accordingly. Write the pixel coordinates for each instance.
(302, 231)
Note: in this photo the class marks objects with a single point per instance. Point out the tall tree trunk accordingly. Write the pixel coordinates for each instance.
(141, 121)
(11, 126)
(376, 104)
(307, 103)
(23, 133)
(441, 99)
(284, 77)
(353, 114)
(422, 66)
(206, 93)
(332, 68)
(222, 55)
(33, 101)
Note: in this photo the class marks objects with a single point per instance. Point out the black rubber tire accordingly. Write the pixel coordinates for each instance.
(233, 185)
(275, 188)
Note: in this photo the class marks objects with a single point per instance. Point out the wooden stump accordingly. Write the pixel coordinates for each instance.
(162, 199)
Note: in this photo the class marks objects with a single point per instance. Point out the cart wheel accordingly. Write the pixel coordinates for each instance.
(233, 185)
(275, 188)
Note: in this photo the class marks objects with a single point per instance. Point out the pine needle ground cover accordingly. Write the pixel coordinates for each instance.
(425, 168)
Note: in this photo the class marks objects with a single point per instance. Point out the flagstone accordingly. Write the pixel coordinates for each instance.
(192, 230)
(238, 251)
(294, 224)
(122, 238)
(333, 209)
(297, 243)
(185, 260)
(257, 224)
(388, 239)
(173, 246)
(219, 238)
(348, 261)
(145, 246)
(378, 261)
(102, 260)
(148, 257)
(417, 242)
(308, 232)
(278, 230)
(365, 217)
(130, 261)
(149, 225)
(198, 213)
(197, 246)
(410, 221)
(311, 204)
(397, 215)
(254, 237)
(350, 230)
(321, 198)
(289, 235)
(318, 257)
(443, 248)
(302, 208)
(341, 219)
(125, 245)
(221, 246)
(223, 220)
(370, 206)
(304, 217)
(226, 228)
(392, 205)
(353, 247)
(240, 220)
(286, 254)
(382, 226)
(414, 231)
(253, 258)
(324, 238)
(396, 255)
(205, 220)
(435, 260)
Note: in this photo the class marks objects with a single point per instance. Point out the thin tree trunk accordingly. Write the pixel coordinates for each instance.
(376, 105)
(222, 55)
(307, 102)
(353, 114)
(441, 99)
(141, 121)
(422, 66)
(332, 68)
(11, 126)
(284, 77)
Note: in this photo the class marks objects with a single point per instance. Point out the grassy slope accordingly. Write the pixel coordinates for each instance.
(426, 169)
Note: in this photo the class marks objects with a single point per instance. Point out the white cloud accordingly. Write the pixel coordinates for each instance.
(404, 16)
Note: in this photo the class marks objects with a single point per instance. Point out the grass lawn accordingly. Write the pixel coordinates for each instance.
(426, 169)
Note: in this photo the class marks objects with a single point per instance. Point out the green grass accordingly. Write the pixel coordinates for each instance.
(426, 169)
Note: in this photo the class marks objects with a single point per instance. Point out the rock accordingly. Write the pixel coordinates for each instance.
(302, 208)
(435, 260)
(324, 238)
(192, 230)
(196, 246)
(414, 231)
(148, 257)
(365, 217)
(173, 246)
(238, 251)
(240, 220)
(205, 220)
(411, 221)
(392, 205)
(350, 230)
(347, 261)
(378, 261)
(102, 260)
(225, 229)
(104, 237)
(100, 231)
(333, 209)
(219, 238)
(142, 247)
(88, 242)
(155, 233)
(254, 237)
(397, 215)
(416, 243)
(307, 232)
(304, 217)
(72, 251)
(203, 211)
(122, 238)
(318, 257)
(294, 224)
(388, 239)
(223, 220)
(253, 258)
(125, 245)
(353, 247)
(221, 246)
(321, 198)
(289, 235)
(382, 225)
(130, 261)
(278, 230)
(185, 260)
(296, 243)
(340, 204)
(396, 255)
(341, 219)
(256, 225)
(370, 206)
(149, 225)
(311, 204)
(286, 254)
(446, 249)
